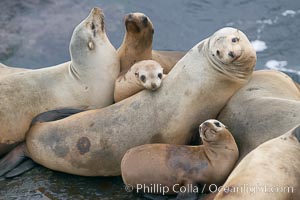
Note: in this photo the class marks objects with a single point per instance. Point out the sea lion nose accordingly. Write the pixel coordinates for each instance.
(231, 54)
(144, 20)
(129, 15)
(153, 85)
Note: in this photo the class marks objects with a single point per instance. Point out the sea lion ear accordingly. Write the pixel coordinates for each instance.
(136, 74)
(91, 45)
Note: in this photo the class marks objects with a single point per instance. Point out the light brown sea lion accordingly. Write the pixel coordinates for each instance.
(146, 74)
(266, 107)
(271, 171)
(172, 167)
(92, 143)
(137, 44)
(86, 82)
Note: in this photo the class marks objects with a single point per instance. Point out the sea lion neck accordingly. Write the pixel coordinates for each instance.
(139, 43)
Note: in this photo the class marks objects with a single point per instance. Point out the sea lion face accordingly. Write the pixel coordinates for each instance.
(150, 74)
(231, 47)
(88, 36)
(138, 23)
(212, 130)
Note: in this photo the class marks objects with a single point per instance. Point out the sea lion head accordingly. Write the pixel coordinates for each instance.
(149, 74)
(231, 53)
(140, 29)
(213, 131)
(88, 36)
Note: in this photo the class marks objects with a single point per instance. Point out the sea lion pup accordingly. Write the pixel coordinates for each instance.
(146, 74)
(92, 143)
(266, 107)
(175, 166)
(86, 82)
(271, 171)
(137, 44)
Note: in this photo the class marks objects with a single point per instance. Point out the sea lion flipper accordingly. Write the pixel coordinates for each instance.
(54, 115)
(12, 159)
(20, 169)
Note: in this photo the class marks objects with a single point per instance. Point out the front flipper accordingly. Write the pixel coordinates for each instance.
(12, 159)
(20, 169)
(54, 115)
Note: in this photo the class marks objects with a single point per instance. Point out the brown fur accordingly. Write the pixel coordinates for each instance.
(137, 44)
(168, 165)
(130, 83)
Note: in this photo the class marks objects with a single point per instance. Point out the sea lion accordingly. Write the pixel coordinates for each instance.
(137, 44)
(86, 82)
(266, 107)
(92, 143)
(179, 166)
(146, 74)
(271, 171)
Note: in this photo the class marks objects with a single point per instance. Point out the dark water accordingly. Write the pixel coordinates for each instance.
(36, 33)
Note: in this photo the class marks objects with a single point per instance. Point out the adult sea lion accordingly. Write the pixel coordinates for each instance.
(271, 171)
(137, 44)
(179, 166)
(266, 107)
(86, 82)
(92, 143)
(146, 74)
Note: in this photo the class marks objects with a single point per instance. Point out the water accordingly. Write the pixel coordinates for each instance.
(36, 33)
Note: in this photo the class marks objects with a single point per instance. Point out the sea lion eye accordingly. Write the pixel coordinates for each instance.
(217, 124)
(218, 52)
(143, 78)
(234, 40)
(93, 26)
(160, 75)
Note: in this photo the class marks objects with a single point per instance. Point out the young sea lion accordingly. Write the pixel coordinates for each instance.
(175, 166)
(146, 74)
